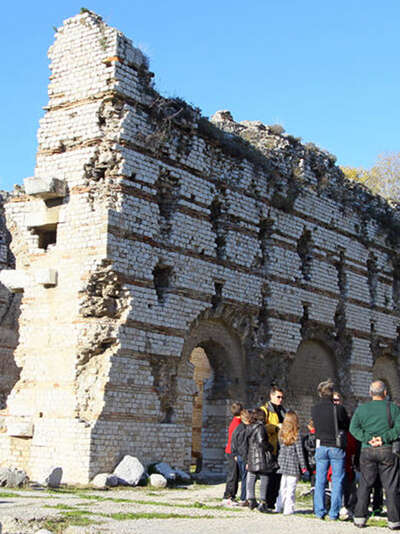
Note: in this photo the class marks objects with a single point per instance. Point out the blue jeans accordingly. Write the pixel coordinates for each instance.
(243, 476)
(324, 457)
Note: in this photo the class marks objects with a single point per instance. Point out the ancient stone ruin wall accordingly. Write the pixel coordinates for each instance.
(9, 312)
(148, 232)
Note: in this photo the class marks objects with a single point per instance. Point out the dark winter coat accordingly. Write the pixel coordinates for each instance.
(258, 445)
(322, 415)
(239, 443)
(309, 445)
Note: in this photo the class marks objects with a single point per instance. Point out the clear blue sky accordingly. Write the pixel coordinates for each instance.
(327, 71)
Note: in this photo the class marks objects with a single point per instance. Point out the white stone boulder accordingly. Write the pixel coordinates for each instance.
(158, 481)
(11, 477)
(129, 471)
(104, 480)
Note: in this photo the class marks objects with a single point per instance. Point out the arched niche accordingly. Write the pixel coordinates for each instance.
(313, 363)
(216, 361)
(386, 369)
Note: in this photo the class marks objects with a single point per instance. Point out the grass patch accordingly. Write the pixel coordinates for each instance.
(99, 498)
(9, 495)
(144, 502)
(76, 519)
(61, 507)
(198, 505)
(121, 516)
(76, 514)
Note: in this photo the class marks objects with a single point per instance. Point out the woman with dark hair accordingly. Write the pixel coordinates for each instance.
(259, 459)
(328, 417)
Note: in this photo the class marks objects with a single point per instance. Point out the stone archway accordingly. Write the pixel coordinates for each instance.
(314, 362)
(386, 369)
(223, 382)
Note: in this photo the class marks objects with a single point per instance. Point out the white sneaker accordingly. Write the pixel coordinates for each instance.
(344, 514)
(229, 502)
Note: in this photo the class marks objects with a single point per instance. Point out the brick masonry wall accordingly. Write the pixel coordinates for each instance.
(176, 233)
(9, 312)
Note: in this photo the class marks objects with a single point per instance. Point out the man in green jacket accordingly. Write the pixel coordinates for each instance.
(370, 425)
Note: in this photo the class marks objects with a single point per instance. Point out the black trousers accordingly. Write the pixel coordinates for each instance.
(274, 482)
(374, 461)
(232, 477)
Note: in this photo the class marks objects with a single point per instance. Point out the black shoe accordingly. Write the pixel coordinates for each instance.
(262, 507)
(252, 504)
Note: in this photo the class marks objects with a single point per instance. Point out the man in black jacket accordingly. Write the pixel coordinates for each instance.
(327, 453)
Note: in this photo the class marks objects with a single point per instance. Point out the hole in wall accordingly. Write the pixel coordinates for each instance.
(162, 275)
(47, 235)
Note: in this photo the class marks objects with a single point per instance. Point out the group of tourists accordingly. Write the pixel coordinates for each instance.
(344, 459)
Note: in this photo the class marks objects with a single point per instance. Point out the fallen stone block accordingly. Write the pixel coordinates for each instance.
(158, 481)
(53, 479)
(182, 475)
(129, 471)
(166, 470)
(104, 480)
(11, 477)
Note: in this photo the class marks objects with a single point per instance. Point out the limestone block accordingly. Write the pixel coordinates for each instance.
(103, 480)
(54, 477)
(129, 471)
(46, 277)
(21, 429)
(45, 187)
(45, 217)
(158, 481)
(11, 477)
(14, 280)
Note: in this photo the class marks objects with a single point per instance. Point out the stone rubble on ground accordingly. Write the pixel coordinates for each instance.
(166, 470)
(103, 480)
(158, 481)
(11, 477)
(129, 471)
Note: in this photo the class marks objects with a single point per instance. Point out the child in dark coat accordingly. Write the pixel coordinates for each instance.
(259, 460)
(232, 475)
(239, 447)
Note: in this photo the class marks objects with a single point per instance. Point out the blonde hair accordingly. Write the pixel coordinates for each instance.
(289, 430)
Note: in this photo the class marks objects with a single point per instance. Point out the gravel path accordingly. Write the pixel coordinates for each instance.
(195, 510)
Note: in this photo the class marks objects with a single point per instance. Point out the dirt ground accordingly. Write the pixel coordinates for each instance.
(194, 509)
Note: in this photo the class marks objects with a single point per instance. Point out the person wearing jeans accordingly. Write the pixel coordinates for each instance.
(325, 457)
(327, 453)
